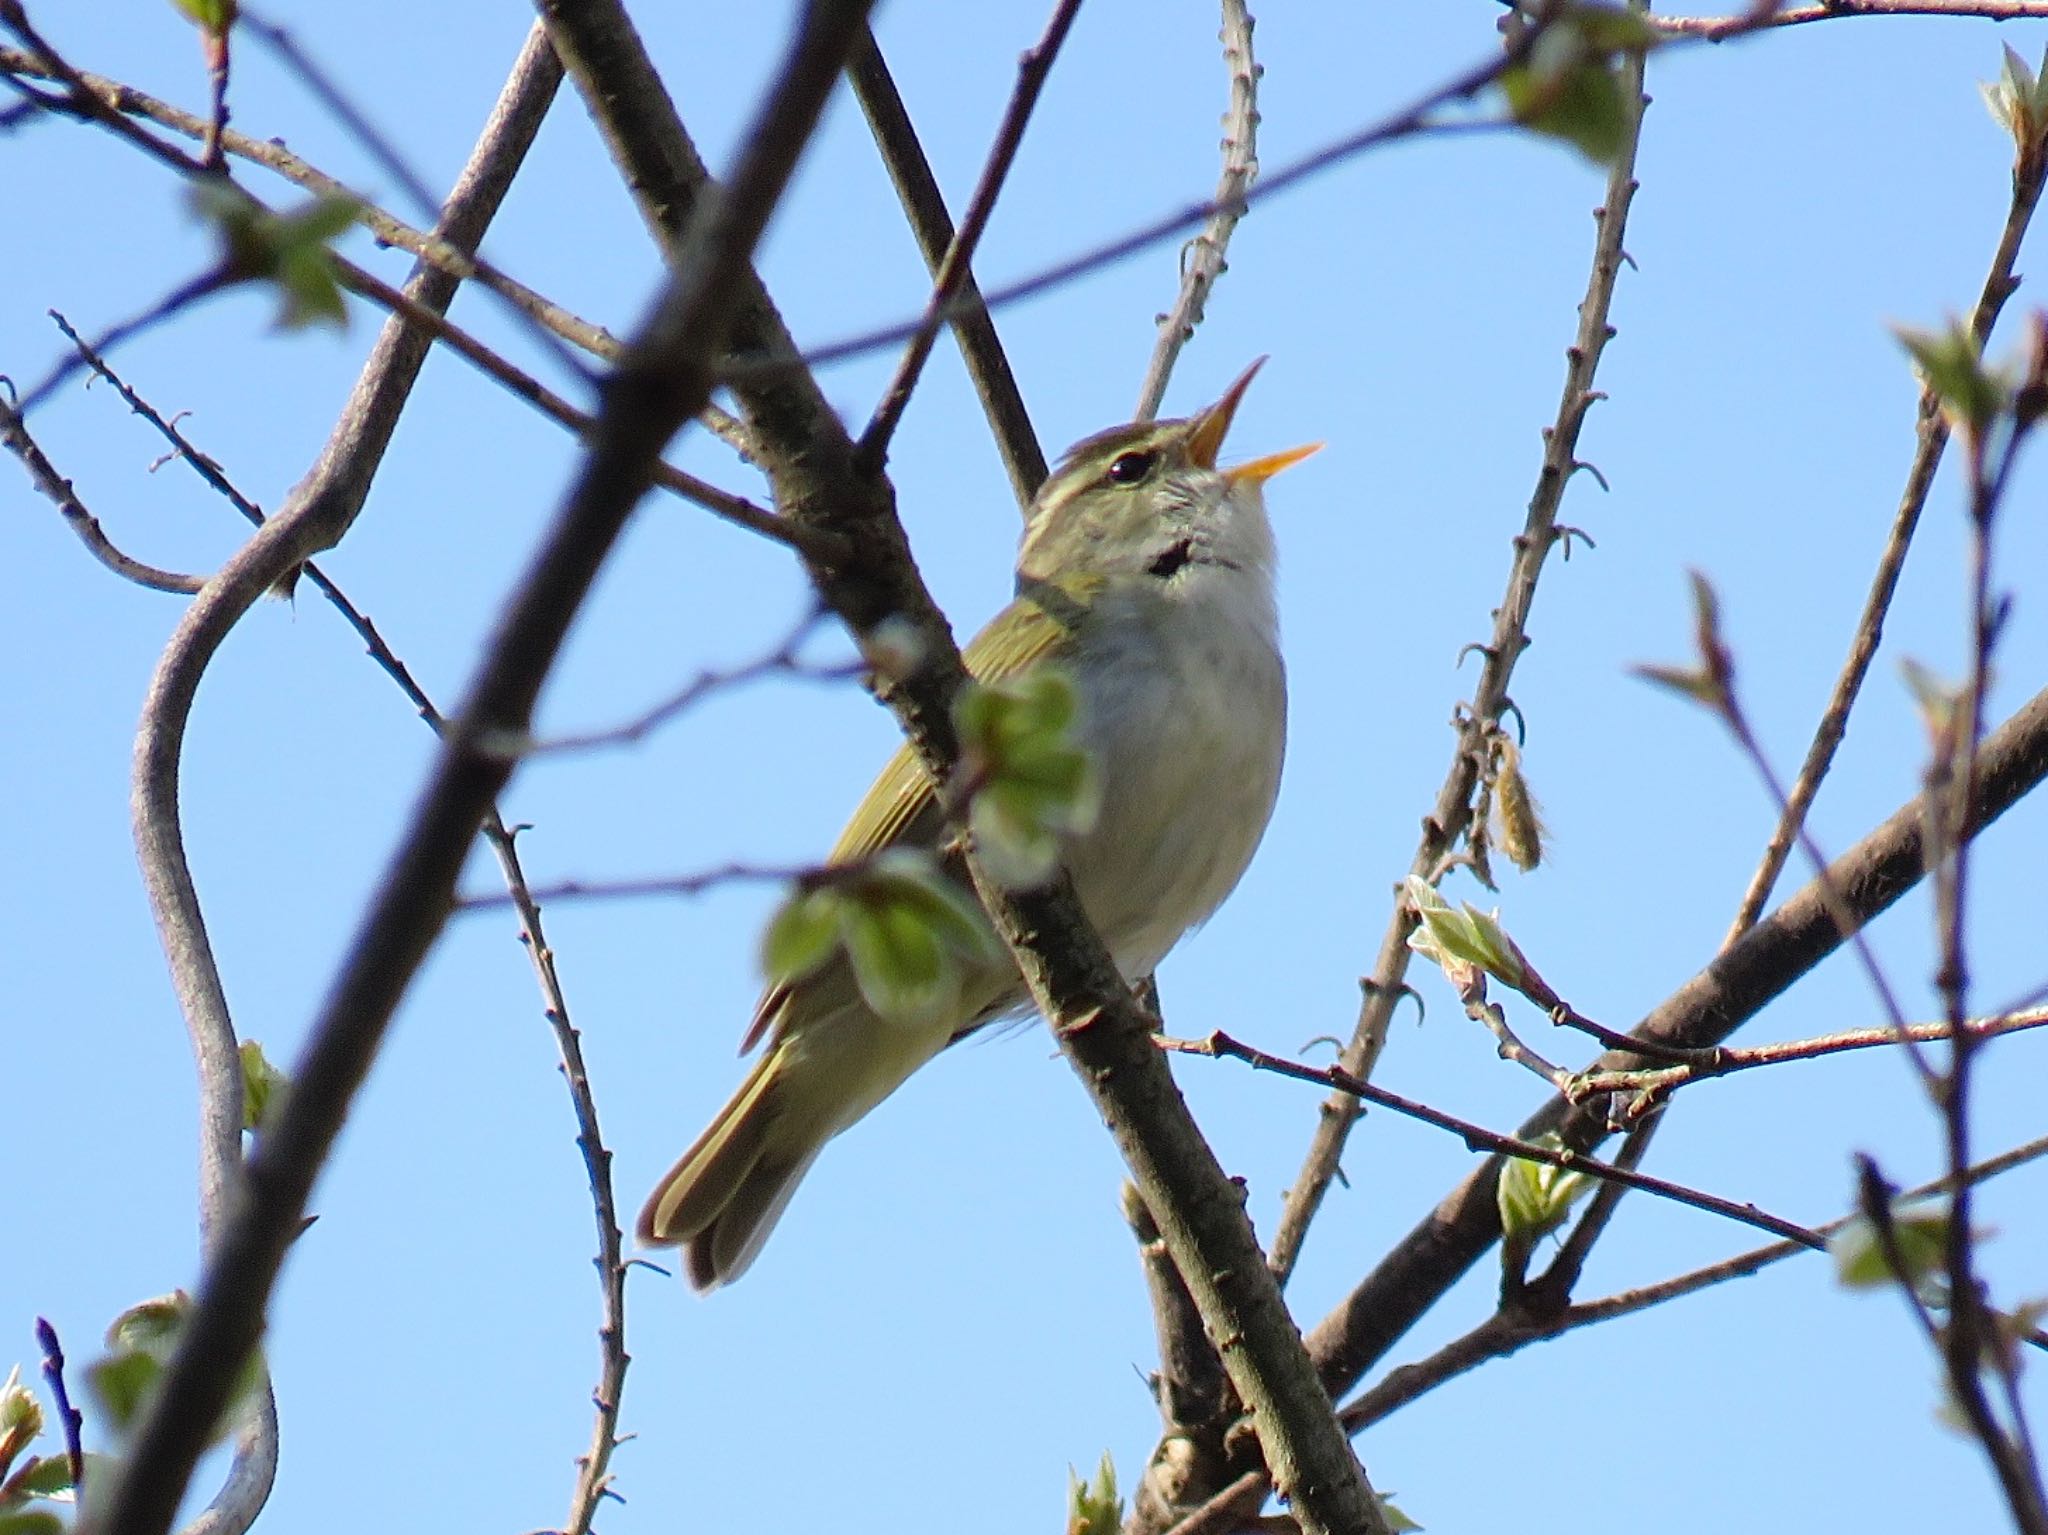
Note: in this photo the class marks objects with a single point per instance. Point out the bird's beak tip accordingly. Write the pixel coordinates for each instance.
(1212, 424)
(1260, 470)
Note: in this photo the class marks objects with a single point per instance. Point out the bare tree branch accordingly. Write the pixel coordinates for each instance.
(1999, 285)
(917, 189)
(1221, 1046)
(1716, 29)
(1201, 259)
(276, 548)
(665, 380)
(955, 267)
(1452, 811)
(14, 437)
(1736, 984)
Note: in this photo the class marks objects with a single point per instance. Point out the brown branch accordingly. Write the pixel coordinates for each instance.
(664, 381)
(593, 1477)
(1736, 984)
(785, 659)
(956, 265)
(1500, 1335)
(180, 298)
(1201, 259)
(1452, 811)
(917, 189)
(544, 313)
(1195, 1405)
(15, 438)
(1414, 120)
(1219, 1045)
(1716, 29)
(1932, 438)
(80, 99)
(1725, 1060)
(720, 502)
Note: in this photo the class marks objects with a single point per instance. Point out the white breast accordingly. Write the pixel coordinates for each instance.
(1186, 717)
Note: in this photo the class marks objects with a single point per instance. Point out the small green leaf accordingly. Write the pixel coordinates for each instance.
(1470, 939)
(1953, 370)
(1397, 1521)
(287, 249)
(955, 917)
(902, 969)
(1584, 105)
(43, 1476)
(802, 935)
(21, 1418)
(263, 1087)
(122, 1382)
(30, 1521)
(1010, 836)
(151, 1326)
(1534, 1197)
(1921, 1237)
(1093, 1508)
(215, 16)
(1610, 29)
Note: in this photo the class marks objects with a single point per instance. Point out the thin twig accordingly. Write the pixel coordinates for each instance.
(954, 268)
(1493, 1338)
(532, 307)
(686, 885)
(1452, 811)
(1716, 29)
(1506, 1332)
(1737, 720)
(43, 61)
(1736, 985)
(15, 438)
(1201, 259)
(784, 660)
(1931, 439)
(1968, 1344)
(917, 189)
(715, 499)
(70, 1421)
(1477, 1137)
(593, 1476)
(169, 306)
(1417, 118)
(1723, 1060)
(361, 131)
(666, 380)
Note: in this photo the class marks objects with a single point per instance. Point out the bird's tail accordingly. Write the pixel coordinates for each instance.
(724, 1195)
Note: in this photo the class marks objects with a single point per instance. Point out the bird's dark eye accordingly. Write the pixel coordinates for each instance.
(1130, 468)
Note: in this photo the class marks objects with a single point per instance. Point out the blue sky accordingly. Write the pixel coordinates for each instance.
(950, 1315)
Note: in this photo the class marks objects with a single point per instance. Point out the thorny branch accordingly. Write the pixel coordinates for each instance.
(15, 438)
(1452, 811)
(1201, 259)
(1478, 1137)
(593, 1478)
(1931, 440)
(1715, 29)
(955, 266)
(924, 206)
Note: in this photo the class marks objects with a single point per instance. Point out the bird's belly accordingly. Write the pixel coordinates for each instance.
(1190, 763)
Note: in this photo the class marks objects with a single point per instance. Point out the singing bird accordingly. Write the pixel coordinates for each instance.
(1147, 573)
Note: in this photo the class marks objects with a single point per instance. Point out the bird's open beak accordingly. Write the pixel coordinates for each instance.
(1211, 425)
(1206, 439)
(1260, 470)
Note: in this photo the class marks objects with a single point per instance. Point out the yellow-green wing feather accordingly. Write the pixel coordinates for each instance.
(900, 806)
